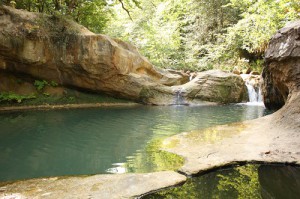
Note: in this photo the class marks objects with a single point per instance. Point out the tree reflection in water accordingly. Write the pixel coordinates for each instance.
(249, 181)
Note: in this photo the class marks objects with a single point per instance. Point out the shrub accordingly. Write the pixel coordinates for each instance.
(40, 84)
(13, 97)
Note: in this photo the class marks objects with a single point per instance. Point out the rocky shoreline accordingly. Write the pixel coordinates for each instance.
(65, 106)
(256, 141)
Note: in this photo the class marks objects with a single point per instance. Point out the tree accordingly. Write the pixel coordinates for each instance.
(94, 14)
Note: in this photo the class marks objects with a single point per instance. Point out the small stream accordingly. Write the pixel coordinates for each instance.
(102, 140)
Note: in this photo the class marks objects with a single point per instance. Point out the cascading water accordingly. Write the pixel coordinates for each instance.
(253, 93)
(179, 99)
(254, 89)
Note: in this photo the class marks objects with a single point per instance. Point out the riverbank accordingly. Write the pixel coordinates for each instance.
(65, 106)
(259, 140)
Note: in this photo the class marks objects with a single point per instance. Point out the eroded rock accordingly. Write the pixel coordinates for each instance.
(214, 86)
(55, 49)
(97, 186)
(282, 71)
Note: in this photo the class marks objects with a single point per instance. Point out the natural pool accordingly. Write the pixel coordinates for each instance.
(248, 181)
(91, 141)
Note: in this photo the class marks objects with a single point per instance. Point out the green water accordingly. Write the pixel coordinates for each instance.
(91, 141)
(249, 181)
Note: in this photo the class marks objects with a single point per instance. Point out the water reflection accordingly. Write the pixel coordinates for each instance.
(153, 159)
(90, 141)
(249, 181)
(279, 182)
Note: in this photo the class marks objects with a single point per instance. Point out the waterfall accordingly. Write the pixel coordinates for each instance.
(253, 85)
(254, 93)
(179, 99)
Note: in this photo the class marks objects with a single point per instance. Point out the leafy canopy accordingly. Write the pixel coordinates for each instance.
(182, 34)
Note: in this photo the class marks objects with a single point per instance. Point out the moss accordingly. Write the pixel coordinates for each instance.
(11, 97)
(224, 92)
(69, 97)
(145, 94)
(171, 143)
(152, 158)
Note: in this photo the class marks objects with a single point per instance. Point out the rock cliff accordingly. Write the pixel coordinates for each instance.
(56, 49)
(282, 74)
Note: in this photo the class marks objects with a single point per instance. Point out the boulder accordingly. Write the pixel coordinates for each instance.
(53, 48)
(214, 86)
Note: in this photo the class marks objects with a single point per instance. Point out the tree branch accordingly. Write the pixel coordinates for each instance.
(125, 9)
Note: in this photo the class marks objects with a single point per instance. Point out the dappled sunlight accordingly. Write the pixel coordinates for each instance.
(214, 134)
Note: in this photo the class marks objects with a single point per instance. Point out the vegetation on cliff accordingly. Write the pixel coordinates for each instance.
(21, 90)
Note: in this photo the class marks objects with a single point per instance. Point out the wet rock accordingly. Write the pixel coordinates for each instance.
(97, 186)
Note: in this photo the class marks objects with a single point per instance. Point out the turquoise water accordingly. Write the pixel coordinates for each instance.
(91, 141)
(249, 181)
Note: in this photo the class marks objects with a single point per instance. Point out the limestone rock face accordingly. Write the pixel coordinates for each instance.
(52, 48)
(282, 72)
(55, 49)
(282, 75)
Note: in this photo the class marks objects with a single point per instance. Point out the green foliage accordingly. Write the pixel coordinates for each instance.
(239, 182)
(53, 83)
(202, 34)
(245, 183)
(46, 94)
(153, 30)
(94, 15)
(13, 97)
(246, 40)
(40, 84)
